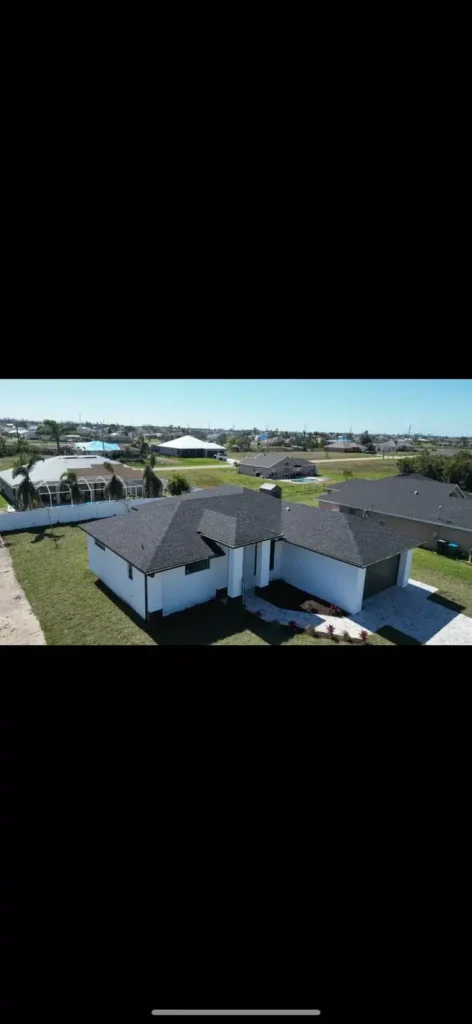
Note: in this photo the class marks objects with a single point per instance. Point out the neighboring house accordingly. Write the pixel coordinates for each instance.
(413, 504)
(91, 474)
(386, 447)
(225, 541)
(189, 447)
(276, 467)
(23, 432)
(343, 446)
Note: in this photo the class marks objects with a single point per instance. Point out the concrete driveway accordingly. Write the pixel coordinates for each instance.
(410, 610)
(407, 609)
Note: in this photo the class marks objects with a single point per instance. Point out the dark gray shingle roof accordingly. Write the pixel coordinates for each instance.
(173, 532)
(413, 496)
(269, 461)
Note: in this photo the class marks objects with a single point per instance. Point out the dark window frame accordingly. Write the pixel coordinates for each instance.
(200, 566)
(255, 559)
(272, 555)
(130, 571)
(100, 545)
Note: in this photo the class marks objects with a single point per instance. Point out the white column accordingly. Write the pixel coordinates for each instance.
(235, 572)
(355, 604)
(263, 562)
(404, 568)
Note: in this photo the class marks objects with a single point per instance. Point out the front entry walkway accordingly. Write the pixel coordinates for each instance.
(407, 609)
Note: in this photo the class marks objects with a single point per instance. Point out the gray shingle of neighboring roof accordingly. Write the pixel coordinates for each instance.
(172, 532)
(269, 461)
(397, 495)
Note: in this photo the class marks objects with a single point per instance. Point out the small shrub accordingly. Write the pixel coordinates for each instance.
(363, 636)
(346, 637)
(330, 630)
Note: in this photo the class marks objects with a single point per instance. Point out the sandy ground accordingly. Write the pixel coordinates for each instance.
(18, 623)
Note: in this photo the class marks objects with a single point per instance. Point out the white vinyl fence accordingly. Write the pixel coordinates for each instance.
(68, 514)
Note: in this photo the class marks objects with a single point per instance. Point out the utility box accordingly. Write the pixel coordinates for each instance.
(273, 489)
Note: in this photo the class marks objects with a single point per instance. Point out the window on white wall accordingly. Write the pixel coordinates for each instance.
(100, 545)
(130, 571)
(204, 563)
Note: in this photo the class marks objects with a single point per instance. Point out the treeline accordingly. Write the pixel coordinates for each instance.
(456, 469)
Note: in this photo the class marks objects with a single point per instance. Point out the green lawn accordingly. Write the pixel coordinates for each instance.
(8, 462)
(306, 493)
(3, 502)
(452, 578)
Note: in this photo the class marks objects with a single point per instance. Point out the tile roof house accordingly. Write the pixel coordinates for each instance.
(412, 504)
(225, 541)
(92, 478)
(276, 466)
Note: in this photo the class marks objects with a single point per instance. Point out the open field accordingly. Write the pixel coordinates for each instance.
(307, 493)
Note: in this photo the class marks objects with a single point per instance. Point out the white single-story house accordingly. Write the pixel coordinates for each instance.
(189, 447)
(92, 478)
(225, 541)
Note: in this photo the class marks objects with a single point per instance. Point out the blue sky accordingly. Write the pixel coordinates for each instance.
(390, 406)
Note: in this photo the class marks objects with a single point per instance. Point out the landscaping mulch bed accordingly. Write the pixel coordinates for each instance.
(283, 595)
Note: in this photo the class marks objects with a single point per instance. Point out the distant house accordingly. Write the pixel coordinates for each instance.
(91, 474)
(189, 447)
(276, 467)
(343, 446)
(386, 447)
(412, 504)
(226, 541)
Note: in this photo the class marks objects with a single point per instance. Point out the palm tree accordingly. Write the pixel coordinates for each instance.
(54, 432)
(71, 479)
(26, 493)
(115, 488)
(142, 444)
(177, 484)
(152, 485)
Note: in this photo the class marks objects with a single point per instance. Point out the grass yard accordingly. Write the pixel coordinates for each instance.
(306, 493)
(3, 502)
(452, 578)
(8, 462)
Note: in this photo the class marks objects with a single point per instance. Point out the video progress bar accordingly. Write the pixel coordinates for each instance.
(236, 1013)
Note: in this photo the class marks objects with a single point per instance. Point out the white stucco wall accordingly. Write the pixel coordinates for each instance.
(328, 578)
(180, 591)
(404, 568)
(113, 571)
